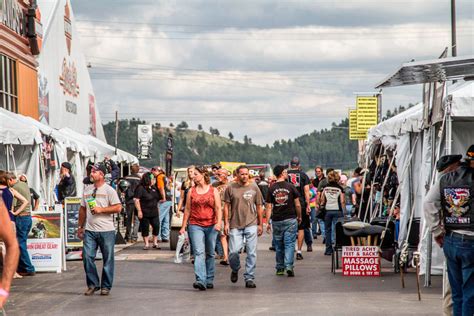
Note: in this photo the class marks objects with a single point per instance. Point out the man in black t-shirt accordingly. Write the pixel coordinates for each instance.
(131, 223)
(283, 205)
(301, 181)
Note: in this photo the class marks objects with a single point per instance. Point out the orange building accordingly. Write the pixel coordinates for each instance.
(20, 41)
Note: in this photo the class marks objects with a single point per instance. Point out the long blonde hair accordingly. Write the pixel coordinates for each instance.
(188, 182)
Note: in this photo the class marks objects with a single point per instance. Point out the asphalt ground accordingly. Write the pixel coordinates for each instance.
(150, 283)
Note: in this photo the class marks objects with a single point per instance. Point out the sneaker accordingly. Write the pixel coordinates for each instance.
(290, 273)
(328, 253)
(199, 286)
(271, 248)
(299, 256)
(280, 272)
(315, 236)
(324, 241)
(210, 286)
(104, 292)
(250, 284)
(90, 291)
(234, 276)
(26, 273)
(309, 248)
(165, 240)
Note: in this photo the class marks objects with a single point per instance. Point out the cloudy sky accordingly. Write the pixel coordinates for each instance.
(269, 69)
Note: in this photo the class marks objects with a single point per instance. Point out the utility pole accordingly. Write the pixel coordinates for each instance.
(454, 52)
(116, 131)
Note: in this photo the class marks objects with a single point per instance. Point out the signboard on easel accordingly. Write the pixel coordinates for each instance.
(45, 241)
(71, 207)
(360, 261)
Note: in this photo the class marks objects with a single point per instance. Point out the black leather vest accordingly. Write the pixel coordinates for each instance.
(457, 199)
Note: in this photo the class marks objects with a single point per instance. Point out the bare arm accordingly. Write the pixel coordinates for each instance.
(187, 213)
(298, 209)
(342, 198)
(306, 198)
(113, 209)
(180, 204)
(218, 209)
(226, 213)
(22, 199)
(10, 261)
(36, 207)
(138, 207)
(268, 211)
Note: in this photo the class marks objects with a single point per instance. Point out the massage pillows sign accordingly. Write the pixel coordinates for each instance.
(361, 261)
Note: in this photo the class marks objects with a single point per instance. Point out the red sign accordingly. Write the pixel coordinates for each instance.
(360, 261)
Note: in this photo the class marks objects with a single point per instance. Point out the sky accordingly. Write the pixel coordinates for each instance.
(268, 69)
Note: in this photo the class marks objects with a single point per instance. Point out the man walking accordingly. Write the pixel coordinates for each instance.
(67, 183)
(243, 218)
(131, 232)
(454, 230)
(301, 181)
(10, 261)
(283, 199)
(23, 223)
(165, 203)
(96, 226)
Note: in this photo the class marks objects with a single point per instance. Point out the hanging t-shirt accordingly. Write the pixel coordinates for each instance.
(244, 201)
(282, 195)
(299, 179)
(149, 198)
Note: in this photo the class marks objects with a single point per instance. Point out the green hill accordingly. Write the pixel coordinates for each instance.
(327, 147)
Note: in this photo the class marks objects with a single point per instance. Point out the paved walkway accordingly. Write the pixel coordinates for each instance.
(149, 283)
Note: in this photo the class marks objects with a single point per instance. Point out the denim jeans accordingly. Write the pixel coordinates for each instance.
(322, 228)
(460, 259)
(23, 226)
(329, 223)
(105, 241)
(349, 210)
(236, 241)
(219, 247)
(132, 218)
(204, 243)
(312, 218)
(164, 220)
(284, 234)
(308, 237)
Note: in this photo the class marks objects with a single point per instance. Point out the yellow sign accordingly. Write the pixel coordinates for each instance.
(231, 166)
(367, 113)
(354, 134)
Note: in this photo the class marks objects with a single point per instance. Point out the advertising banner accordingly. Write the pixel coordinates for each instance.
(44, 243)
(71, 206)
(367, 112)
(360, 261)
(354, 134)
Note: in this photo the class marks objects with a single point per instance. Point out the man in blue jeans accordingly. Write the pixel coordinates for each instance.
(162, 183)
(243, 219)
(453, 229)
(96, 227)
(283, 200)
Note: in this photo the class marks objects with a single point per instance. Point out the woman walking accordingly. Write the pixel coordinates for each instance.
(332, 198)
(146, 202)
(203, 210)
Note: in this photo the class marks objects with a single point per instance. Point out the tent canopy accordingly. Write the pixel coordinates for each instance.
(15, 132)
(462, 100)
(436, 70)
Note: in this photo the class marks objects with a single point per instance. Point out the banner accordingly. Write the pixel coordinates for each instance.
(354, 134)
(367, 112)
(360, 261)
(44, 243)
(71, 206)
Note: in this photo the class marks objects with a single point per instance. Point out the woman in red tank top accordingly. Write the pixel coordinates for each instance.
(203, 211)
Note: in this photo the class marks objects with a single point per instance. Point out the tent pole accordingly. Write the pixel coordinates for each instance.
(7, 150)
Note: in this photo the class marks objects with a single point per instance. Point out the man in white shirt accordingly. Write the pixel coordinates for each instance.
(96, 227)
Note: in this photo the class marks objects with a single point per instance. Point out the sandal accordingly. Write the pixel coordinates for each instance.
(224, 262)
(156, 247)
(146, 248)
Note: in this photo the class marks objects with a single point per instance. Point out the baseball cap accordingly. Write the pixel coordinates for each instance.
(447, 160)
(278, 170)
(470, 153)
(66, 165)
(100, 167)
(295, 161)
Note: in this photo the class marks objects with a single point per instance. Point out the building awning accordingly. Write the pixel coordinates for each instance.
(436, 70)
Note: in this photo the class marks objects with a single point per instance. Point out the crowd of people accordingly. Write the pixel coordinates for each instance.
(225, 213)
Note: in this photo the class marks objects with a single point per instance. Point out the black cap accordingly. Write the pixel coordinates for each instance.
(66, 165)
(447, 160)
(278, 170)
(470, 153)
(295, 161)
(100, 166)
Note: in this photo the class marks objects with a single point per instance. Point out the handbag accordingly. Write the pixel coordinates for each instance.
(321, 212)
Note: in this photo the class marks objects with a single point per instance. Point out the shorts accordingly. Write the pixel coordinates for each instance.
(305, 221)
(145, 223)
